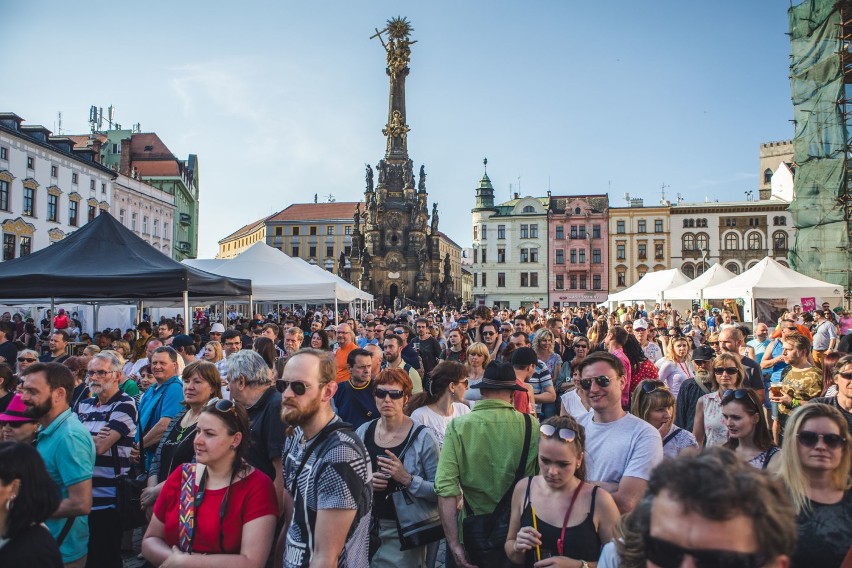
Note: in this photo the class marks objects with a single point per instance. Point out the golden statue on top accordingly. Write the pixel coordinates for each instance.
(398, 46)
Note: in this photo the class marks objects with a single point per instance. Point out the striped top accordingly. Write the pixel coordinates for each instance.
(120, 415)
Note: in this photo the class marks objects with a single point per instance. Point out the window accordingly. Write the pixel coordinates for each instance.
(347, 230)
(582, 231)
(501, 279)
(533, 255)
(658, 251)
(92, 212)
(642, 228)
(312, 231)
(312, 252)
(52, 205)
(620, 251)
(501, 231)
(4, 153)
(779, 241)
(144, 224)
(619, 227)
(295, 251)
(731, 222)
(484, 255)
(596, 231)
(156, 227)
(279, 231)
(296, 232)
(641, 272)
(689, 241)
(533, 231)
(573, 256)
(690, 223)
(74, 178)
(54, 170)
(574, 232)
(688, 270)
(533, 279)
(732, 242)
(686, 223)
(583, 285)
(25, 246)
(165, 230)
(754, 221)
(4, 195)
(596, 256)
(529, 209)
(525, 279)
(485, 279)
(475, 256)
(525, 255)
(733, 267)
(133, 218)
(29, 201)
(347, 250)
(621, 278)
(73, 207)
(329, 230)
(9, 245)
(755, 242)
(767, 176)
(484, 232)
(572, 282)
(582, 256)
(120, 215)
(643, 251)
(92, 184)
(560, 256)
(702, 223)
(560, 232)
(525, 232)
(501, 255)
(576, 211)
(596, 281)
(329, 251)
(475, 232)
(30, 166)
(702, 242)
(780, 221)
(475, 279)
(658, 225)
(103, 188)
(560, 282)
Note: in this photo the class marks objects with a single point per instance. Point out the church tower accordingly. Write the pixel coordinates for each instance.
(395, 248)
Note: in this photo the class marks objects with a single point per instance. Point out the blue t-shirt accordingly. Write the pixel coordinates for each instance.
(158, 402)
(68, 452)
(759, 348)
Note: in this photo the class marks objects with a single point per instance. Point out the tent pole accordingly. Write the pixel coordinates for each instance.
(52, 311)
(251, 306)
(335, 311)
(95, 312)
(186, 311)
(139, 313)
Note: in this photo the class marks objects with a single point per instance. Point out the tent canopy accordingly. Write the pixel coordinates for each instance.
(769, 279)
(652, 286)
(714, 275)
(105, 260)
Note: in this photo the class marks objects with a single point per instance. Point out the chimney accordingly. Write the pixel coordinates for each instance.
(124, 168)
(96, 148)
(517, 195)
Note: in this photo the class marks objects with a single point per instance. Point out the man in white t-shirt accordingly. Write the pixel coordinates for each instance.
(621, 449)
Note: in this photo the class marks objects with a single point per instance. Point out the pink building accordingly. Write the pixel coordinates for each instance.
(578, 240)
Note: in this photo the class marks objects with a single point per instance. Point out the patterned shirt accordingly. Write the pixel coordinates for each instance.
(802, 384)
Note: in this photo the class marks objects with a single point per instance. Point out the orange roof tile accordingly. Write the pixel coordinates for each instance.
(156, 168)
(245, 229)
(317, 211)
(149, 145)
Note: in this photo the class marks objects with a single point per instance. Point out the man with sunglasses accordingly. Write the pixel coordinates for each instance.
(694, 388)
(621, 449)
(713, 509)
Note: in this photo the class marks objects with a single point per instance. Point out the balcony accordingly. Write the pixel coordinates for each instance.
(185, 219)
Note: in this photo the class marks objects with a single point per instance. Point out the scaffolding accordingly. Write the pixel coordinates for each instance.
(820, 70)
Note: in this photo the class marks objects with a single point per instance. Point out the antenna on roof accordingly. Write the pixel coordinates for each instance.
(110, 115)
(93, 117)
(59, 122)
(627, 198)
(330, 198)
(679, 198)
(663, 192)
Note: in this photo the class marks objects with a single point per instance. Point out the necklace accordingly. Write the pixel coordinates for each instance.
(387, 438)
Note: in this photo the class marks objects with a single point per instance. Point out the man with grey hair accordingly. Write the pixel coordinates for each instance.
(252, 387)
(110, 416)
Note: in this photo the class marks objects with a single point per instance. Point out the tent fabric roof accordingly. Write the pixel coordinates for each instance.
(651, 286)
(770, 279)
(105, 260)
(714, 275)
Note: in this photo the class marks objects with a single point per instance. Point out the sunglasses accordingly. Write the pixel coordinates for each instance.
(297, 387)
(488, 333)
(225, 405)
(26, 359)
(564, 434)
(382, 394)
(399, 331)
(16, 424)
(810, 439)
(714, 343)
(847, 376)
(738, 394)
(654, 386)
(669, 555)
(581, 346)
(602, 381)
(728, 370)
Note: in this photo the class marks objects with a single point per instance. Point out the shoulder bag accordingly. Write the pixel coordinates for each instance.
(417, 520)
(485, 535)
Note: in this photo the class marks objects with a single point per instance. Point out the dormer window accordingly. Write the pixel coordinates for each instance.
(576, 211)
(529, 209)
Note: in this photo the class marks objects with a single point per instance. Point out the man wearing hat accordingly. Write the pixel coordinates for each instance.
(185, 348)
(481, 454)
(693, 389)
(651, 349)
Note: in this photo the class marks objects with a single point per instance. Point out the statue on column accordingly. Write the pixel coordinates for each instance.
(341, 264)
(371, 210)
(434, 218)
(422, 184)
(446, 267)
(356, 218)
(381, 167)
(408, 173)
(422, 255)
(369, 176)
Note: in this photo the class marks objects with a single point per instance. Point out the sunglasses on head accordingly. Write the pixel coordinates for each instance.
(728, 370)
(564, 434)
(225, 405)
(738, 394)
(382, 394)
(810, 439)
(653, 386)
(669, 555)
(602, 381)
(297, 387)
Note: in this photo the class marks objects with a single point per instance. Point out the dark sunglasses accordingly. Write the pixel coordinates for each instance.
(847, 376)
(738, 394)
(728, 370)
(668, 555)
(488, 333)
(564, 434)
(602, 381)
(399, 331)
(27, 359)
(581, 346)
(810, 439)
(653, 386)
(16, 423)
(382, 394)
(297, 387)
(713, 342)
(225, 405)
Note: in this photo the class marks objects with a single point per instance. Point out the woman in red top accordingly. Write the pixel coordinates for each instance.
(235, 504)
(641, 368)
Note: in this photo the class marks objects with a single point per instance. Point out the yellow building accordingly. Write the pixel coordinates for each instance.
(242, 238)
(639, 240)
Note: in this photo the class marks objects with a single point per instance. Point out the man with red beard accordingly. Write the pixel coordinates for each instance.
(326, 471)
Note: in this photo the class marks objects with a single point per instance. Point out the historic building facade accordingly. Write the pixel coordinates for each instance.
(639, 242)
(578, 233)
(241, 239)
(146, 210)
(772, 155)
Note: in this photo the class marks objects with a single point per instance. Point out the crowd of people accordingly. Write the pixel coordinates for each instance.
(568, 437)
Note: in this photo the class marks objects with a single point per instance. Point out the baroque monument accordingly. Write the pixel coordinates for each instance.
(395, 246)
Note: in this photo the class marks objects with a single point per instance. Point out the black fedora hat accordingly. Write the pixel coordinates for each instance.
(499, 376)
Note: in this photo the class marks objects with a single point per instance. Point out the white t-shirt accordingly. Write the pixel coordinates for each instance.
(627, 447)
(437, 423)
(573, 405)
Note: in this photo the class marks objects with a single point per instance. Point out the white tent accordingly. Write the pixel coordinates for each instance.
(769, 279)
(716, 274)
(652, 286)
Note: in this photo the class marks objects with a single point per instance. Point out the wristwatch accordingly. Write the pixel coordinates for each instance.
(584, 564)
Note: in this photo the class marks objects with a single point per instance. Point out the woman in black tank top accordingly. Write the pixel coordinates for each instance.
(557, 513)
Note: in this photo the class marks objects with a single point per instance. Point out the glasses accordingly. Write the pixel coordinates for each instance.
(382, 394)
(602, 381)
(297, 387)
(669, 555)
(16, 424)
(726, 370)
(564, 434)
(225, 405)
(791, 328)
(98, 373)
(399, 331)
(463, 382)
(738, 394)
(810, 439)
(27, 360)
(654, 386)
(581, 346)
(847, 376)
(488, 333)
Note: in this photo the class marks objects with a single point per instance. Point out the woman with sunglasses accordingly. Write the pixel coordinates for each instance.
(574, 402)
(556, 513)
(654, 403)
(748, 434)
(815, 465)
(710, 428)
(26, 358)
(231, 504)
(404, 457)
(676, 367)
(564, 381)
(15, 425)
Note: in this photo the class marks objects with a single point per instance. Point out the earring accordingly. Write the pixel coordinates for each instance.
(9, 502)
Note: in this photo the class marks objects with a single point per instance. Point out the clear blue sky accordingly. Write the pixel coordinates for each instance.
(284, 100)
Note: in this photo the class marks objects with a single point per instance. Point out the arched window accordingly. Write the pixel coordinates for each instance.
(733, 267)
(576, 211)
(689, 241)
(685, 223)
(702, 242)
(702, 223)
(779, 241)
(691, 223)
(767, 175)
(732, 242)
(688, 270)
(699, 268)
(755, 241)
(529, 209)
(780, 221)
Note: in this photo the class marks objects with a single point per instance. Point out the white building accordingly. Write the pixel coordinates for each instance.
(146, 210)
(48, 188)
(509, 249)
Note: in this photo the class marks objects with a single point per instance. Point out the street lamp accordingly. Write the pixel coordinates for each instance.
(703, 270)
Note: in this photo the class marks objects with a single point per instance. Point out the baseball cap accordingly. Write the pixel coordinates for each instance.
(217, 328)
(703, 353)
(463, 320)
(524, 356)
(182, 341)
(640, 324)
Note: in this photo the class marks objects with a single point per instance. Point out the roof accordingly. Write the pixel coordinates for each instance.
(23, 133)
(443, 235)
(760, 203)
(598, 202)
(316, 212)
(155, 168)
(245, 229)
(84, 140)
(149, 146)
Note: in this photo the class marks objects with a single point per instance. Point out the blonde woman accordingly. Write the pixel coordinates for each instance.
(654, 403)
(477, 359)
(543, 344)
(676, 367)
(710, 427)
(815, 463)
(213, 352)
(122, 348)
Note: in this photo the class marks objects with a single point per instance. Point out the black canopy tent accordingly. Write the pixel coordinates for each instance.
(105, 261)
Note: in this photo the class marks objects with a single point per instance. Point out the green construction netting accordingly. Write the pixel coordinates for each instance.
(819, 143)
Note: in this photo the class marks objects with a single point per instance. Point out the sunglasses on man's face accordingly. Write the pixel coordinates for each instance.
(666, 554)
(811, 439)
(602, 381)
(382, 394)
(299, 388)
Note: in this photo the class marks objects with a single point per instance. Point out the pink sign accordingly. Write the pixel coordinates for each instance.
(808, 304)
